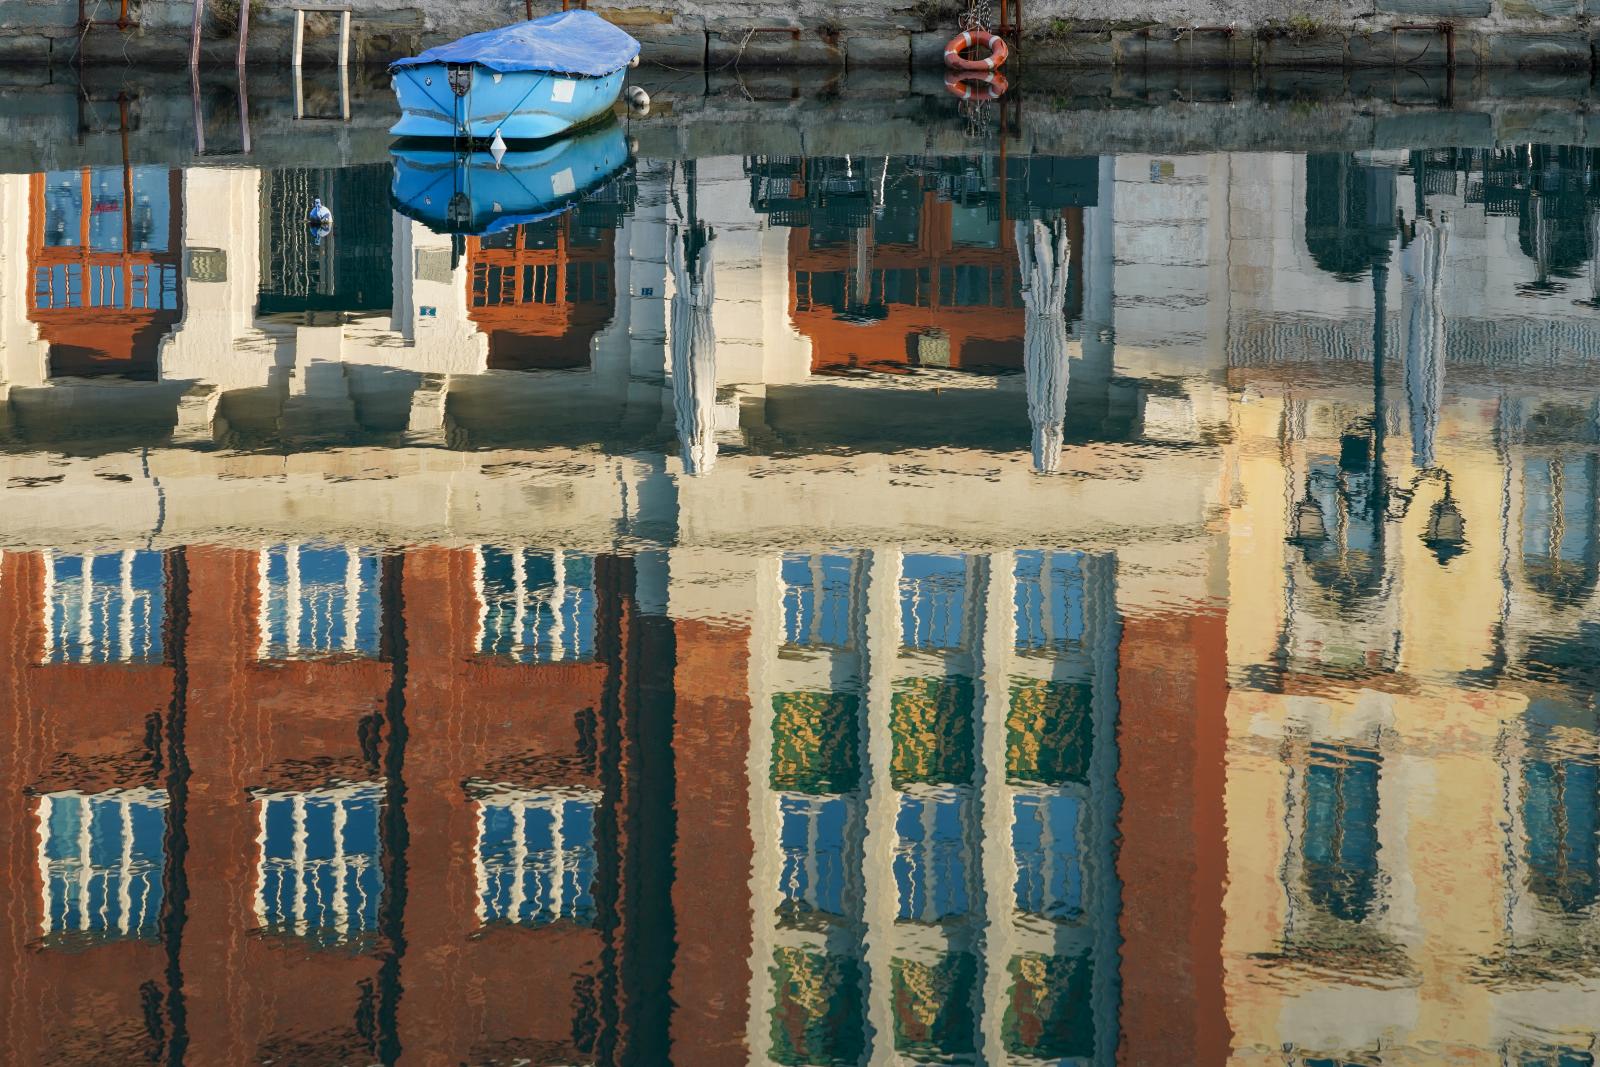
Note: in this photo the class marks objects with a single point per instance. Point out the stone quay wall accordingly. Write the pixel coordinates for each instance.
(725, 34)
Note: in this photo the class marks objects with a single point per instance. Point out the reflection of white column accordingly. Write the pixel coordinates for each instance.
(125, 869)
(86, 609)
(519, 602)
(882, 801)
(519, 857)
(995, 858)
(291, 606)
(264, 603)
(46, 807)
(766, 631)
(85, 869)
(352, 597)
(298, 854)
(125, 623)
(558, 597)
(341, 908)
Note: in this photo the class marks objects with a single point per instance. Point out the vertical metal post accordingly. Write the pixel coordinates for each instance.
(244, 33)
(194, 37)
(299, 46)
(344, 40)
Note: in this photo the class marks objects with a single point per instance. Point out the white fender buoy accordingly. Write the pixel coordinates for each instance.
(634, 62)
(497, 148)
(638, 100)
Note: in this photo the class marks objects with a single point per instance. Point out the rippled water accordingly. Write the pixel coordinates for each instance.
(802, 581)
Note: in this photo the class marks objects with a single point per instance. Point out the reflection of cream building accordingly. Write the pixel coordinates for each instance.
(1411, 773)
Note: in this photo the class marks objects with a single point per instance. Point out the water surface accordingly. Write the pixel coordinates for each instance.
(912, 591)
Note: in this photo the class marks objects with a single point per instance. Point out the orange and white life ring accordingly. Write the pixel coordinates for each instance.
(976, 85)
(968, 38)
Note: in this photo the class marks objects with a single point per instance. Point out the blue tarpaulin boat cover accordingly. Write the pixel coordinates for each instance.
(568, 42)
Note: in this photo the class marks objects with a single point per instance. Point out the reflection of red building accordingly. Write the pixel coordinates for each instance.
(541, 291)
(104, 252)
(214, 727)
(950, 299)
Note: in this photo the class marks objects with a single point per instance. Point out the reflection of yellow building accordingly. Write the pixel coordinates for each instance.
(1400, 830)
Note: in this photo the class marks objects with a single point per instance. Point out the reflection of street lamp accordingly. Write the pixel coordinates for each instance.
(1446, 532)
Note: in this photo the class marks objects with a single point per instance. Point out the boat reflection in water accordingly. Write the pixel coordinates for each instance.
(952, 607)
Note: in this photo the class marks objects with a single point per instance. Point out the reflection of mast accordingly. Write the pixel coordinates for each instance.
(1043, 251)
(694, 357)
(394, 827)
(175, 888)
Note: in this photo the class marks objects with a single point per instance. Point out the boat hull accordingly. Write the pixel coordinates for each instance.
(519, 106)
(469, 192)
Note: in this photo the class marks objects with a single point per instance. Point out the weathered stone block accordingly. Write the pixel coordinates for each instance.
(1454, 9)
(768, 46)
(1531, 9)
(1538, 50)
(1320, 48)
(1374, 49)
(878, 50)
(1420, 48)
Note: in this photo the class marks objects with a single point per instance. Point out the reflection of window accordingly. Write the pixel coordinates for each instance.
(97, 202)
(1044, 837)
(1049, 731)
(819, 595)
(1340, 847)
(538, 607)
(817, 1008)
(972, 286)
(1560, 554)
(933, 601)
(1524, 1054)
(934, 1017)
(319, 601)
(535, 856)
(930, 855)
(1048, 1015)
(105, 608)
(930, 722)
(1561, 817)
(102, 857)
(1049, 599)
(816, 742)
(812, 836)
(319, 875)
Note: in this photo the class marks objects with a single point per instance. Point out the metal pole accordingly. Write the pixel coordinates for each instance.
(194, 37)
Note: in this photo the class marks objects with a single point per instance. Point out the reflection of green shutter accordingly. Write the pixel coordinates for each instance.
(1048, 1015)
(931, 719)
(816, 1012)
(815, 742)
(1049, 731)
(933, 1005)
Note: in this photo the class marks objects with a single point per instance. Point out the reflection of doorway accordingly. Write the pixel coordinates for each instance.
(350, 269)
(103, 249)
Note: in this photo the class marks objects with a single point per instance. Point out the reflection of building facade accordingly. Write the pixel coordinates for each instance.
(1010, 784)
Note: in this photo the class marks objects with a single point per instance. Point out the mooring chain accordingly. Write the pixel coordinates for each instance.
(978, 16)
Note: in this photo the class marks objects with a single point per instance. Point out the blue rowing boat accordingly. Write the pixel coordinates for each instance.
(525, 82)
(474, 193)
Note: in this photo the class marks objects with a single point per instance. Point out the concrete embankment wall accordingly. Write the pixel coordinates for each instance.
(1126, 34)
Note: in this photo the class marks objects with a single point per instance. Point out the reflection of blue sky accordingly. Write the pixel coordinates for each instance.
(104, 859)
(811, 836)
(930, 861)
(1049, 599)
(319, 871)
(817, 596)
(538, 859)
(105, 619)
(1044, 837)
(933, 601)
(313, 606)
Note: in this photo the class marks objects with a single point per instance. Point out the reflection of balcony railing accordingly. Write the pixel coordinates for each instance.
(102, 857)
(319, 875)
(1050, 600)
(535, 857)
(1044, 838)
(933, 602)
(820, 599)
(538, 607)
(319, 601)
(812, 835)
(107, 607)
(931, 855)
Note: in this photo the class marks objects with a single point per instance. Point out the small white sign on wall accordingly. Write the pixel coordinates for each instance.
(561, 184)
(561, 90)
